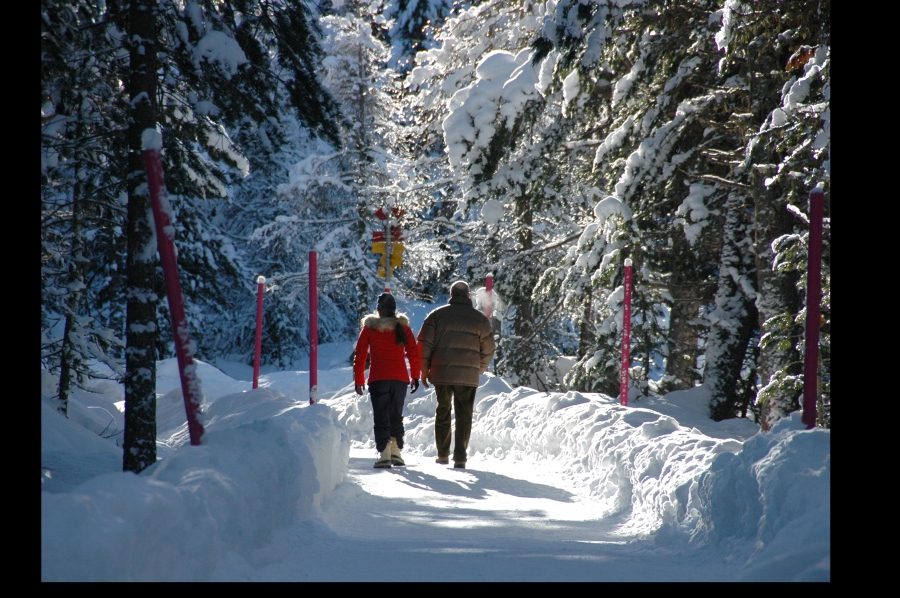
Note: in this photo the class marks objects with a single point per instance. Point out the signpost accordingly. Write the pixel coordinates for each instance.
(389, 243)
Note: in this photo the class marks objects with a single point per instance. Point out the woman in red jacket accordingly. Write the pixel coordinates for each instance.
(389, 341)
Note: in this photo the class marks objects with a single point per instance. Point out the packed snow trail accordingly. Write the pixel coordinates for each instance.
(559, 487)
(424, 522)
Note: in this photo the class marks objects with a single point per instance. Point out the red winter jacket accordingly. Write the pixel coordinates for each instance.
(388, 359)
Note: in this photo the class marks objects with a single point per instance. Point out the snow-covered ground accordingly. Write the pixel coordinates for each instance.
(559, 487)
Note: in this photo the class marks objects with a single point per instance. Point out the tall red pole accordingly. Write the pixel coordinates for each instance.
(813, 295)
(313, 330)
(165, 238)
(260, 282)
(626, 338)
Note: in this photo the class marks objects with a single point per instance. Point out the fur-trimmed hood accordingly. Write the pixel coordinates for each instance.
(376, 322)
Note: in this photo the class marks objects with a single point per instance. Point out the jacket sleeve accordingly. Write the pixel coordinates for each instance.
(426, 342)
(412, 354)
(487, 345)
(359, 357)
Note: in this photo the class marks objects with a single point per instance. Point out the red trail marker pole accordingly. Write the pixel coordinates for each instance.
(626, 338)
(260, 282)
(165, 238)
(813, 296)
(313, 330)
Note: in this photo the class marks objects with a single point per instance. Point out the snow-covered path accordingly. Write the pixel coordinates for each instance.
(559, 487)
(426, 522)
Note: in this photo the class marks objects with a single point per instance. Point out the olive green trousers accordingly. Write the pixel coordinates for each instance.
(463, 403)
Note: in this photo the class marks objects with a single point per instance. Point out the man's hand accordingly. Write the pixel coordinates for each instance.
(414, 385)
(424, 377)
(360, 388)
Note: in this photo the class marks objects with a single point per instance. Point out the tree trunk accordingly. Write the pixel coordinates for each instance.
(683, 345)
(523, 322)
(69, 356)
(140, 355)
(734, 320)
(587, 334)
(778, 294)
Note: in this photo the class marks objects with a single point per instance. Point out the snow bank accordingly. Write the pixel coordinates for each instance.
(775, 493)
(266, 461)
(665, 481)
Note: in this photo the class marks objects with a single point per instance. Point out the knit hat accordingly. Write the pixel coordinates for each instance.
(387, 306)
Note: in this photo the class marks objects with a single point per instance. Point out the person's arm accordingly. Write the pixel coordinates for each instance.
(412, 354)
(359, 357)
(426, 346)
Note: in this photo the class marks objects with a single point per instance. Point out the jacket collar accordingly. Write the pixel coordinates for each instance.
(376, 322)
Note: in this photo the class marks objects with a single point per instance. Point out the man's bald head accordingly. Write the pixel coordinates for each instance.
(460, 288)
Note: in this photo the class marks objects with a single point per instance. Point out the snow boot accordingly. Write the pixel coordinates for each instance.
(396, 459)
(384, 461)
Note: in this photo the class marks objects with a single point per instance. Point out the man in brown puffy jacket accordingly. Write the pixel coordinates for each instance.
(456, 346)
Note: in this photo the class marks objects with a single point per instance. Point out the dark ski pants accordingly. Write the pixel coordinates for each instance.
(387, 398)
(463, 398)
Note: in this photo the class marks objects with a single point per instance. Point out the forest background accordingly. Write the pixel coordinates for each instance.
(541, 142)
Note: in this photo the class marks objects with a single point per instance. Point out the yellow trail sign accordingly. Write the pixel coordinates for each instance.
(396, 260)
(380, 247)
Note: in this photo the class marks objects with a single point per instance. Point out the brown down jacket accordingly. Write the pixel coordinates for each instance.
(456, 343)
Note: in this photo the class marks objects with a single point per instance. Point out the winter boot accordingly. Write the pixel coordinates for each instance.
(396, 459)
(384, 461)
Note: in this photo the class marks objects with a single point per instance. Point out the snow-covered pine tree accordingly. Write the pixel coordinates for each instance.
(238, 75)
(326, 197)
(272, 110)
(82, 116)
(194, 69)
(591, 267)
(500, 146)
(682, 151)
(780, 54)
(407, 26)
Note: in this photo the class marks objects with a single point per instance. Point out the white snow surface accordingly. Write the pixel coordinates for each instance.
(558, 487)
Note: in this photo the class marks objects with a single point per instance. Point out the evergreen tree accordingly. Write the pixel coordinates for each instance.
(321, 196)
(501, 145)
(543, 144)
(187, 73)
(673, 132)
(239, 75)
(82, 116)
(409, 26)
(780, 52)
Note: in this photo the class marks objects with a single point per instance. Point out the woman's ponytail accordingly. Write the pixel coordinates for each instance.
(400, 332)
